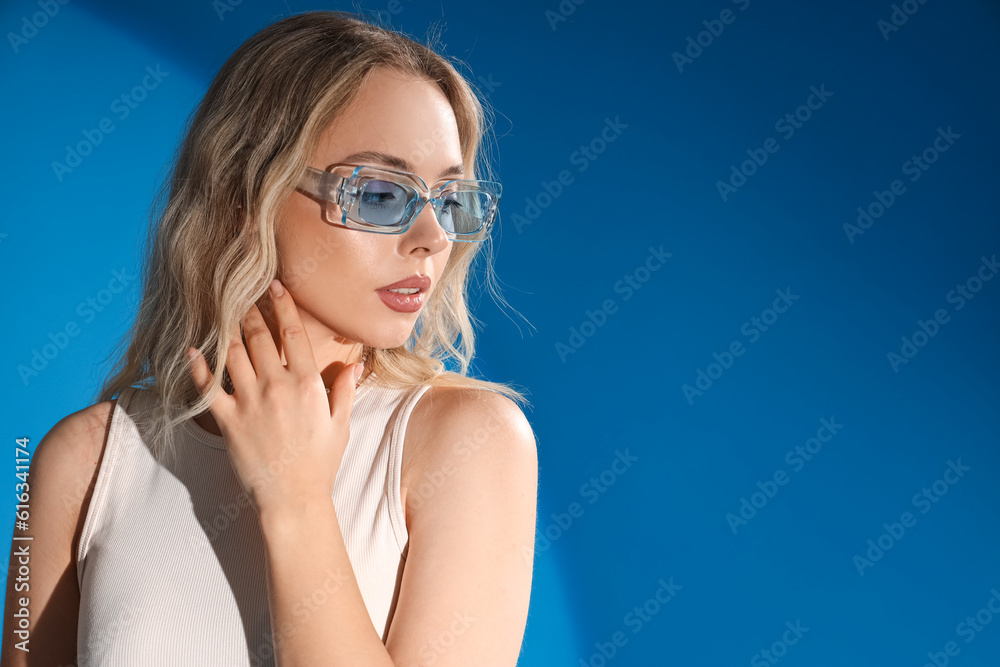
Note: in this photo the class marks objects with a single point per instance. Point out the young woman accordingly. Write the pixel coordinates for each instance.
(313, 487)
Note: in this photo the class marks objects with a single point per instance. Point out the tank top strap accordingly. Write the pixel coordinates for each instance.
(109, 458)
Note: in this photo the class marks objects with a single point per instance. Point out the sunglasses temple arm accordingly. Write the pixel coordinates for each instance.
(322, 184)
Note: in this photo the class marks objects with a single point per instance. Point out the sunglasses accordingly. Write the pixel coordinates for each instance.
(387, 201)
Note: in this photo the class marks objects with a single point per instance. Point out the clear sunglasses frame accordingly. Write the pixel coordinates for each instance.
(343, 189)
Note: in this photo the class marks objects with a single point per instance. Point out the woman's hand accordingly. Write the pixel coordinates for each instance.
(285, 435)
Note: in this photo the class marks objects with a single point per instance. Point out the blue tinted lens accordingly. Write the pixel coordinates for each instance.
(383, 203)
(389, 204)
(463, 211)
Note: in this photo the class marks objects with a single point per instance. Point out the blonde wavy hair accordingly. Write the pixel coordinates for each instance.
(211, 250)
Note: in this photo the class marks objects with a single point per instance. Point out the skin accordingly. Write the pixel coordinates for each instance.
(466, 584)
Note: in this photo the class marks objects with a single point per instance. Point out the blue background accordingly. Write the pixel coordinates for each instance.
(553, 85)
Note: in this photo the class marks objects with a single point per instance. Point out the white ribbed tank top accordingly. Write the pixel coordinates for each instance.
(171, 561)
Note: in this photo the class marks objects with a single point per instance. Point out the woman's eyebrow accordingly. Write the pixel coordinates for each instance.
(399, 163)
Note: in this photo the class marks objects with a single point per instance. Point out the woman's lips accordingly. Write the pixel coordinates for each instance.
(421, 282)
(406, 303)
(402, 303)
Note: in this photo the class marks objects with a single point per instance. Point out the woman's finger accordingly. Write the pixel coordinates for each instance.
(241, 371)
(294, 340)
(260, 343)
(343, 391)
(201, 375)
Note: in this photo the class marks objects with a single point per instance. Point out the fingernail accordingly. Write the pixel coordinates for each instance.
(277, 289)
(358, 370)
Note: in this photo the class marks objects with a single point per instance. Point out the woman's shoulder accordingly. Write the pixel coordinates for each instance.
(441, 402)
(449, 424)
(77, 438)
(69, 456)
(60, 480)
(444, 407)
(61, 477)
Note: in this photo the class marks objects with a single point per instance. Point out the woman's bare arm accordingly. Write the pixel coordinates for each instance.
(467, 580)
(60, 483)
(470, 515)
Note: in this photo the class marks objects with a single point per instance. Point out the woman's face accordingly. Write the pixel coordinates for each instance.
(335, 274)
